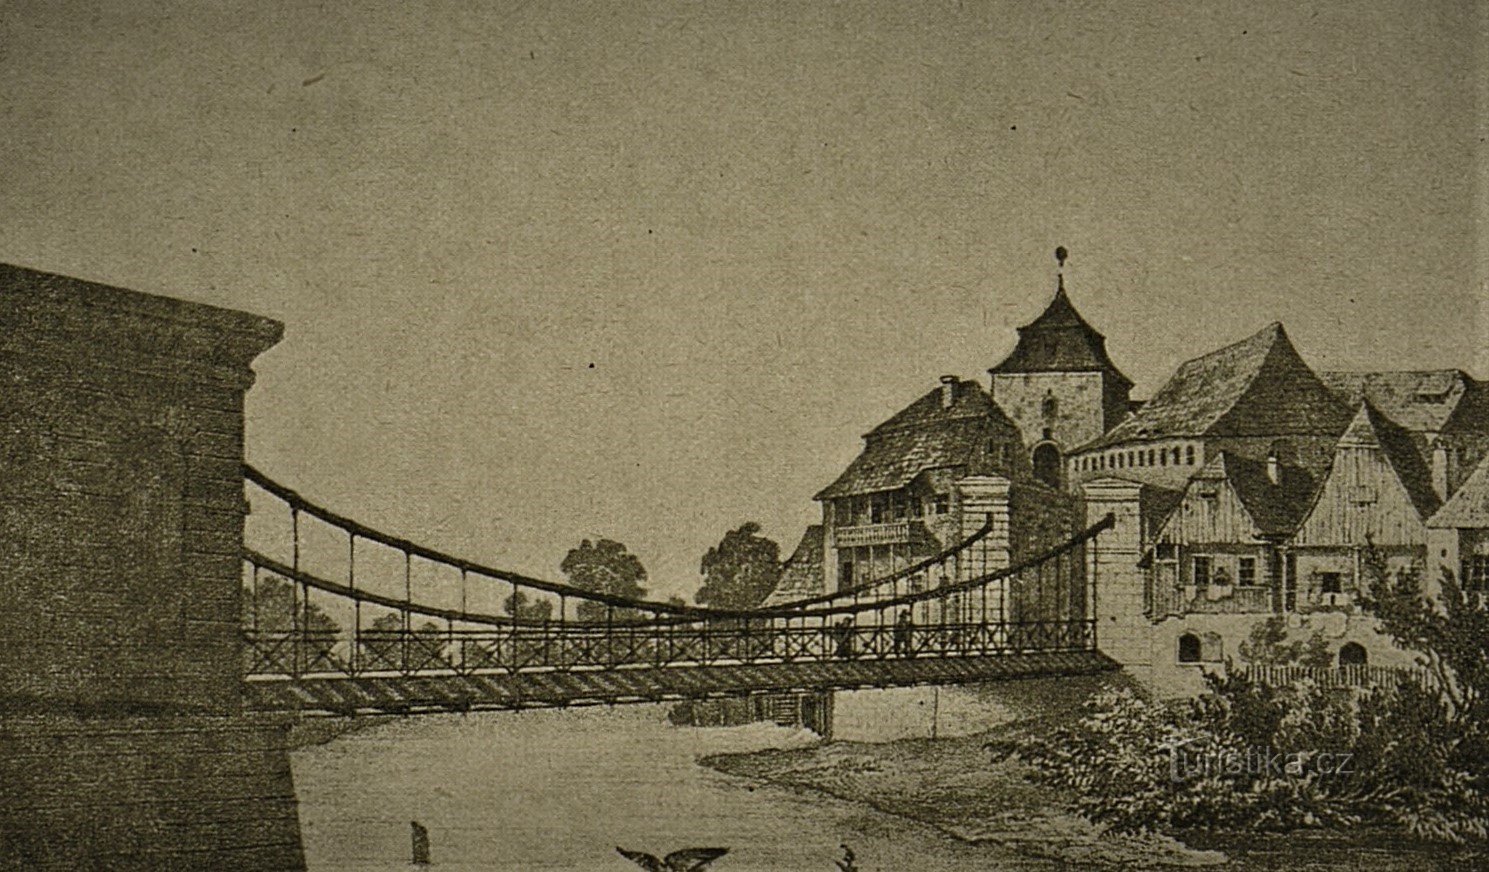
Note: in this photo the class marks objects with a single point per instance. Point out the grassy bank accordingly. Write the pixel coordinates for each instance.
(956, 786)
(951, 785)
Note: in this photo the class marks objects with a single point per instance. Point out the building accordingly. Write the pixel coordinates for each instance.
(935, 472)
(1253, 398)
(1253, 488)
(1059, 387)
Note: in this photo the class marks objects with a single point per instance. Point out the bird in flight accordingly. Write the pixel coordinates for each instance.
(686, 860)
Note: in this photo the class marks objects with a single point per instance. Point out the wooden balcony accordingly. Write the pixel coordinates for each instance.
(1230, 600)
(892, 533)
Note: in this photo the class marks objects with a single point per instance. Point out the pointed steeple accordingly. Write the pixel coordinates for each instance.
(1060, 340)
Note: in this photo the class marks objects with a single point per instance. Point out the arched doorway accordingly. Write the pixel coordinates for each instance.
(1353, 654)
(1189, 648)
(1047, 464)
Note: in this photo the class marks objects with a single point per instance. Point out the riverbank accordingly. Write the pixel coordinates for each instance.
(952, 785)
(955, 786)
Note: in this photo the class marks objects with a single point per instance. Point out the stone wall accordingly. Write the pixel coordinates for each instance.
(122, 743)
(185, 793)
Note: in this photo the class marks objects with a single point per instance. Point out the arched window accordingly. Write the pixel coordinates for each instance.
(1047, 464)
(1050, 407)
(1189, 648)
(1353, 654)
(1189, 455)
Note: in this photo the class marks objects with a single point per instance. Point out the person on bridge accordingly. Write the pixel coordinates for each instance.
(844, 632)
(904, 633)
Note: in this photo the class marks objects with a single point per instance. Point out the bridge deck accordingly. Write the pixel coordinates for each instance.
(339, 694)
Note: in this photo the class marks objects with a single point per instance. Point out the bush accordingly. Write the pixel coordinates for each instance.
(1245, 756)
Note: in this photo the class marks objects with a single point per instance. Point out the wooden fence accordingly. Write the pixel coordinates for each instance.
(1355, 675)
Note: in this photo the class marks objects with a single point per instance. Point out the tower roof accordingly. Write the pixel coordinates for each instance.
(1059, 340)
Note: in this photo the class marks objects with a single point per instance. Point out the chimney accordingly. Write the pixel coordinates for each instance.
(948, 390)
(1274, 467)
(1440, 469)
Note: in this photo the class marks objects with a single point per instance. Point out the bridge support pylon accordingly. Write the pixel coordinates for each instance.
(1123, 631)
(123, 742)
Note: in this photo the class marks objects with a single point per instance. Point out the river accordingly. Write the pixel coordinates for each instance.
(561, 789)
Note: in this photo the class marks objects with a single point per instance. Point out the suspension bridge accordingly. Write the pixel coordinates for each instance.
(159, 642)
(341, 618)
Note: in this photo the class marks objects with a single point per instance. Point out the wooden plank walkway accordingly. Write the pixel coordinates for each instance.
(407, 694)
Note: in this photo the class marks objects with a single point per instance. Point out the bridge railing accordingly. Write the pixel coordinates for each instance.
(478, 651)
(398, 608)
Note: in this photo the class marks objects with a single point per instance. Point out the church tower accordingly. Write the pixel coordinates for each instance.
(1058, 385)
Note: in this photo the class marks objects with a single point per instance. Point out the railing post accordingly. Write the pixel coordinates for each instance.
(297, 626)
(351, 581)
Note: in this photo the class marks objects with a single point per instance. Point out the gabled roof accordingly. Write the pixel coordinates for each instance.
(927, 434)
(1059, 340)
(970, 401)
(1422, 401)
(1156, 504)
(1472, 412)
(801, 574)
(1256, 387)
(1371, 429)
(1468, 507)
(1276, 509)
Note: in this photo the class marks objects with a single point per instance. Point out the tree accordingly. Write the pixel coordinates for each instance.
(524, 607)
(1268, 645)
(604, 566)
(273, 606)
(1449, 632)
(386, 646)
(741, 571)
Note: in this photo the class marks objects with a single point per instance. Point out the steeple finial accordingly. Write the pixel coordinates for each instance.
(1060, 255)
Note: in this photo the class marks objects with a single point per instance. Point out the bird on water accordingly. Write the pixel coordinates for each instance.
(686, 860)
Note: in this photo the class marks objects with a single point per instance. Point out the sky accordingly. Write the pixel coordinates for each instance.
(649, 270)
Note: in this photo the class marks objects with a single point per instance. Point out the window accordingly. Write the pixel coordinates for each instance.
(1246, 572)
(1201, 574)
(845, 513)
(1050, 407)
(916, 507)
(1330, 582)
(1141, 459)
(1166, 551)
(1130, 460)
(943, 504)
(1353, 654)
(845, 574)
(1189, 648)
(876, 509)
(1476, 572)
(897, 506)
(1152, 460)
(1189, 455)
(1176, 455)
